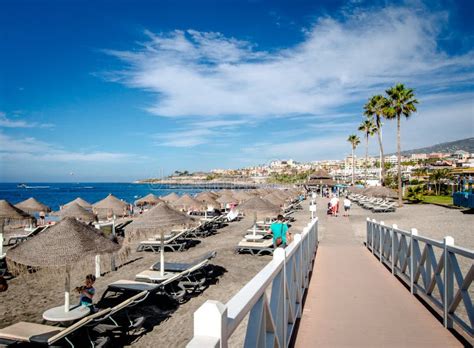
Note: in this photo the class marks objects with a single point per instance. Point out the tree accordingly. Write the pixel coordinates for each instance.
(354, 140)
(375, 109)
(368, 127)
(401, 102)
(438, 176)
(415, 193)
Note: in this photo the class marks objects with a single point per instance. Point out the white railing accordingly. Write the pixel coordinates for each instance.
(272, 300)
(429, 267)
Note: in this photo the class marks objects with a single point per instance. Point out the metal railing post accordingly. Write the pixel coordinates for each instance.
(382, 225)
(210, 323)
(393, 235)
(448, 277)
(367, 231)
(413, 232)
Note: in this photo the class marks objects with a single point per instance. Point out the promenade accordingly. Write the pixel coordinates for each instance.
(354, 301)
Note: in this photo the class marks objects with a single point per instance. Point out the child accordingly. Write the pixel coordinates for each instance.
(87, 292)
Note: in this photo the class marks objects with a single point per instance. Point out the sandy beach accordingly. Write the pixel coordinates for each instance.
(28, 297)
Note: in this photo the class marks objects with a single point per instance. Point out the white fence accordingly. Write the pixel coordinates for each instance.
(272, 314)
(430, 267)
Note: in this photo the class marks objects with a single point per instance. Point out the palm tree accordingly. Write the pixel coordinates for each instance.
(368, 128)
(401, 102)
(374, 109)
(438, 176)
(354, 140)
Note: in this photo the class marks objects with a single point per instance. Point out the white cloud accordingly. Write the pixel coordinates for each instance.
(13, 150)
(339, 62)
(9, 123)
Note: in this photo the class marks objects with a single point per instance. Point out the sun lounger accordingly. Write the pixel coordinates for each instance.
(263, 246)
(175, 242)
(15, 239)
(180, 267)
(45, 335)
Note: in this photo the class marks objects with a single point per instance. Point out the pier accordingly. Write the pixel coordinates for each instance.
(397, 289)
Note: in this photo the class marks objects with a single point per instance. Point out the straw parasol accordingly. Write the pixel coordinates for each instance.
(31, 205)
(83, 203)
(241, 195)
(208, 200)
(186, 202)
(66, 244)
(226, 198)
(380, 191)
(160, 217)
(110, 205)
(169, 198)
(12, 215)
(149, 199)
(260, 206)
(206, 195)
(275, 198)
(76, 211)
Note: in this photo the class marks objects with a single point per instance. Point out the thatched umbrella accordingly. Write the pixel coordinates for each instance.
(226, 198)
(12, 215)
(159, 219)
(241, 195)
(169, 198)
(83, 203)
(31, 205)
(76, 211)
(186, 202)
(275, 198)
(260, 206)
(207, 198)
(110, 205)
(149, 199)
(380, 191)
(68, 243)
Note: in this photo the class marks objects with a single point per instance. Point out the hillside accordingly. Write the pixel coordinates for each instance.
(449, 147)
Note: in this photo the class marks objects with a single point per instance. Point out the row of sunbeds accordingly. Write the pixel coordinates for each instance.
(376, 205)
(100, 328)
(178, 240)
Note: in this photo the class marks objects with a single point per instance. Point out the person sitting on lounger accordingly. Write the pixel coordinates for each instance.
(279, 229)
(87, 291)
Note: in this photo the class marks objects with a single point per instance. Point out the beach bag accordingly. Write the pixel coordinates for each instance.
(279, 240)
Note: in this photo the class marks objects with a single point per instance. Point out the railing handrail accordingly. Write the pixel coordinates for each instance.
(427, 271)
(287, 274)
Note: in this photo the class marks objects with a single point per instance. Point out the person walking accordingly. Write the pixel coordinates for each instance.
(347, 206)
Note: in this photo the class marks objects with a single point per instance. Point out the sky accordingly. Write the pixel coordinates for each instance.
(124, 90)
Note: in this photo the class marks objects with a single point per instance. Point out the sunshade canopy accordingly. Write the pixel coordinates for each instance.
(31, 205)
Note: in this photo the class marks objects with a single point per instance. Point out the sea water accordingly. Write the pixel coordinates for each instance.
(56, 194)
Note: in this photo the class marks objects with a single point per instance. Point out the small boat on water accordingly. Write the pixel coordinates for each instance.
(21, 186)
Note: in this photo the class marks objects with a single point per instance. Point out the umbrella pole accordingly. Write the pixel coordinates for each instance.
(162, 255)
(67, 288)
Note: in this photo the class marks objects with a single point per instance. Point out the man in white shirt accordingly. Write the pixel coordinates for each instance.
(347, 206)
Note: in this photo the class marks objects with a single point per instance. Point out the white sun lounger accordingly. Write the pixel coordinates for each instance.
(263, 246)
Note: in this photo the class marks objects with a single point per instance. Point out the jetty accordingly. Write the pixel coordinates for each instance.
(397, 289)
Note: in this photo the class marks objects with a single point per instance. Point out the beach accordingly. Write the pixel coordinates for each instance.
(28, 297)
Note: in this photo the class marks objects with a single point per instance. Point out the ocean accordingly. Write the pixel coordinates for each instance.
(57, 194)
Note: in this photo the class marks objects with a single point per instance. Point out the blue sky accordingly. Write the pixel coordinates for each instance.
(122, 90)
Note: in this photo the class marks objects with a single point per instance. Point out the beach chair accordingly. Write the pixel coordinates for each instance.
(15, 239)
(260, 247)
(46, 335)
(175, 242)
(385, 208)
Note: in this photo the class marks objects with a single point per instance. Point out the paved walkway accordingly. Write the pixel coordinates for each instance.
(353, 301)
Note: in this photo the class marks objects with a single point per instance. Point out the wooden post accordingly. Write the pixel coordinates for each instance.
(448, 276)
(210, 325)
(97, 266)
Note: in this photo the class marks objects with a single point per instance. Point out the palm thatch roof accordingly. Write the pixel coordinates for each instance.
(161, 217)
(31, 205)
(109, 206)
(76, 211)
(207, 198)
(149, 199)
(241, 195)
(260, 206)
(275, 198)
(64, 244)
(83, 203)
(226, 197)
(170, 197)
(186, 202)
(12, 215)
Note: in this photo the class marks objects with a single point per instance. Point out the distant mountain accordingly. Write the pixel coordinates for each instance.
(449, 147)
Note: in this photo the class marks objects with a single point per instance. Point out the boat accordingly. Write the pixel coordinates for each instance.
(21, 186)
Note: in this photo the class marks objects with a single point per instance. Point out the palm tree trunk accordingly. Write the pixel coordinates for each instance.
(366, 158)
(353, 173)
(399, 155)
(382, 160)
